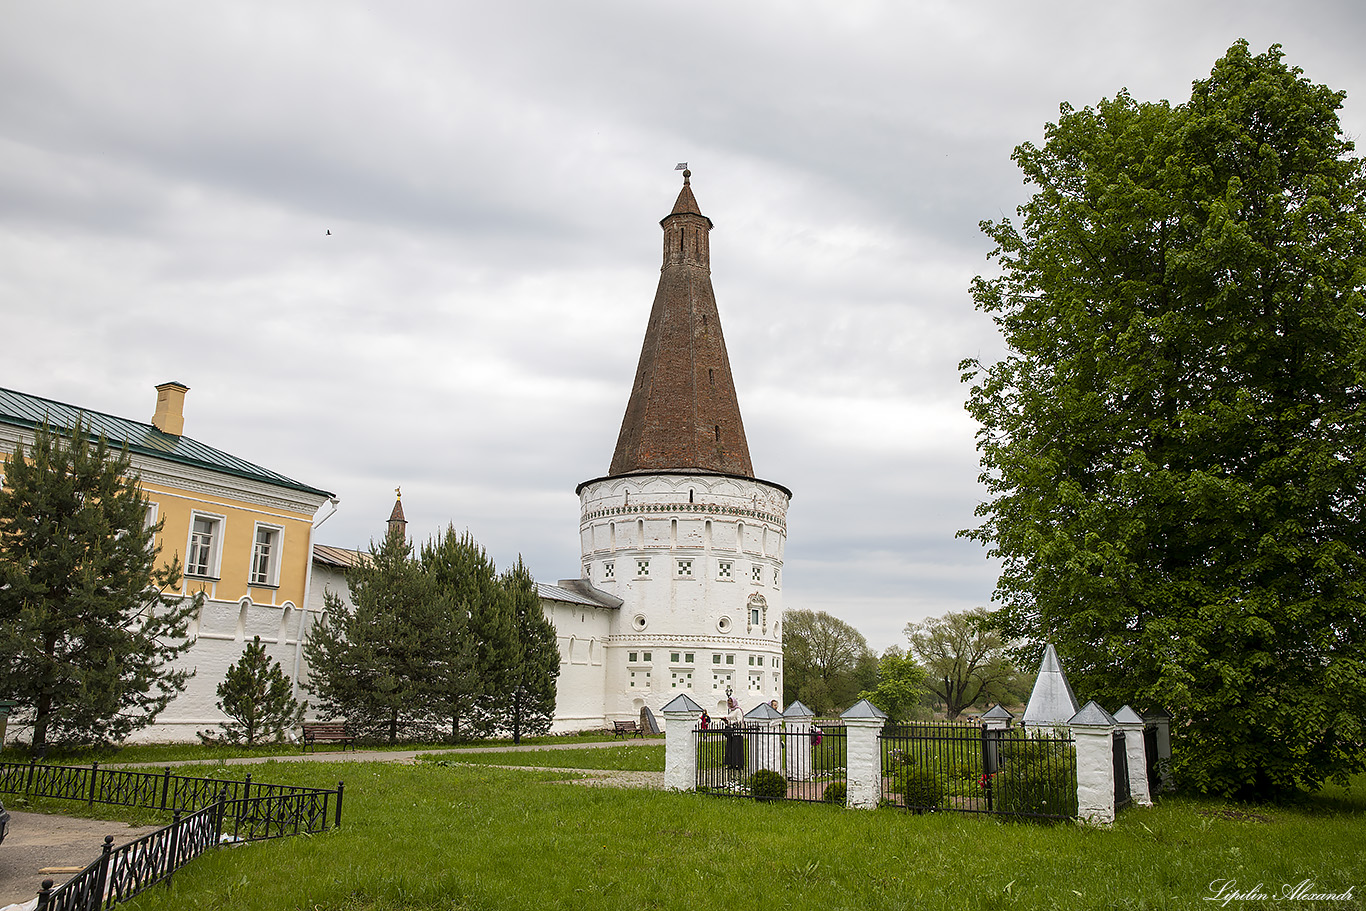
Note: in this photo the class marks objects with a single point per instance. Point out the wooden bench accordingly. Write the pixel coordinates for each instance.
(316, 732)
(627, 729)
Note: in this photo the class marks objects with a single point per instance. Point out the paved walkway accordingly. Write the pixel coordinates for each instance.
(39, 841)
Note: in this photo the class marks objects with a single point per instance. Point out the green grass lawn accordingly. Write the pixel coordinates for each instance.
(629, 757)
(185, 752)
(467, 836)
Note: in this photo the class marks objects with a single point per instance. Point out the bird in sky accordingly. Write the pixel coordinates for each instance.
(329, 232)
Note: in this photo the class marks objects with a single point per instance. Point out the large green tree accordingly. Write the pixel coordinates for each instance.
(964, 659)
(900, 688)
(372, 664)
(480, 643)
(826, 662)
(1175, 443)
(88, 625)
(531, 703)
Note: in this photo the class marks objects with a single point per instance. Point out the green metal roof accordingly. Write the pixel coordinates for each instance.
(23, 410)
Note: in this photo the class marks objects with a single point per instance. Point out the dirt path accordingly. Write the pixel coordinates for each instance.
(37, 842)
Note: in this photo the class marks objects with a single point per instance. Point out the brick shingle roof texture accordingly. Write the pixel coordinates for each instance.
(683, 413)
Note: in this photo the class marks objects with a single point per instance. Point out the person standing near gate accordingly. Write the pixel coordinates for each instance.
(735, 744)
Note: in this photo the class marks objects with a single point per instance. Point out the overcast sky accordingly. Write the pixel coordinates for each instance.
(493, 175)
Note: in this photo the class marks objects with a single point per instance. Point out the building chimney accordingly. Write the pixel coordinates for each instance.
(170, 413)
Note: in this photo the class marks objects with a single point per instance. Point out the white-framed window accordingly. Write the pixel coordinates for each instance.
(265, 554)
(685, 569)
(631, 657)
(149, 521)
(715, 659)
(775, 577)
(755, 616)
(205, 547)
(751, 661)
(723, 570)
(642, 567)
(681, 678)
(756, 573)
(756, 683)
(719, 681)
(609, 570)
(673, 657)
(730, 659)
(688, 657)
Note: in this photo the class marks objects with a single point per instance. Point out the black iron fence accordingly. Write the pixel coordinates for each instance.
(811, 760)
(253, 810)
(121, 873)
(1121, 763)
(968, 768)
(206, 812)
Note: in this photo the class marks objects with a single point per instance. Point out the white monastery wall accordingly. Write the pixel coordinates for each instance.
(581, 633)
(222, 630)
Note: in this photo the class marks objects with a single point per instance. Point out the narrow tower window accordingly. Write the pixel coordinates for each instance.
(717, 429)
(711, 377)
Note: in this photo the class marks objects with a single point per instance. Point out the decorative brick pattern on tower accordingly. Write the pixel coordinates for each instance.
(683, 413)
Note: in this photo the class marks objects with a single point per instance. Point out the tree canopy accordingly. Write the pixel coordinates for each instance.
(440, 646)
(826, 662)
(964, 660)
(900, 687)
(89, 624)
(373, 664)
(1175, 443)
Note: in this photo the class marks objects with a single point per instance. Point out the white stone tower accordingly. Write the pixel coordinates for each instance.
(680, 529)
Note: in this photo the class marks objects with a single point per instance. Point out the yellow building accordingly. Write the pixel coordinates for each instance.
(243, 535)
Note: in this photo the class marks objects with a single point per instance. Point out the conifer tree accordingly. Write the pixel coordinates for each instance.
(88, 625)
(532, 705)
(257, 694)
(370, 666)
(458, 567)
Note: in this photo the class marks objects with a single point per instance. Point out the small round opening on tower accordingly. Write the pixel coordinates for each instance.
(723, 624)
(638, 621)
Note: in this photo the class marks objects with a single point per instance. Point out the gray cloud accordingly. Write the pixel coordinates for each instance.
(493, 175)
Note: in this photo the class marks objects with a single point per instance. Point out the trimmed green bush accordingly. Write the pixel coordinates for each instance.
(767, 784)
(920, 788)
(835, 792)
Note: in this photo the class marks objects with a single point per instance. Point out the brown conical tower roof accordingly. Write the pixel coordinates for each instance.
(683, 414)
(398, 525)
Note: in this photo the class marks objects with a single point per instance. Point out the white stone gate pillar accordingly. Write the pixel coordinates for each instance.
(1093, 730)
(1131, 723)
(680, 744)
(863, 754)
(797, 744)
